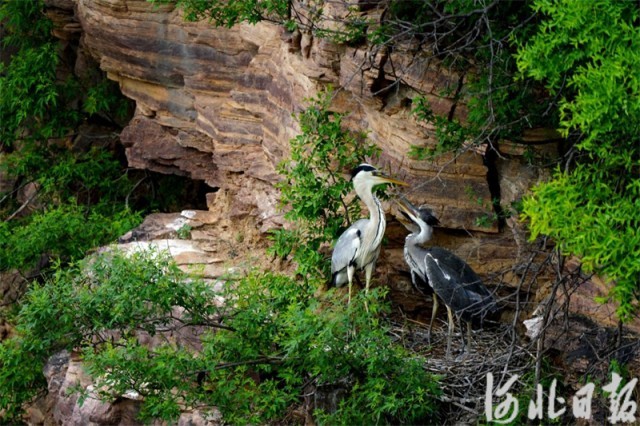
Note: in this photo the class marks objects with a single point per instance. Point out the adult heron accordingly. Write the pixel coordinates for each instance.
(451, 278)
(359, 245)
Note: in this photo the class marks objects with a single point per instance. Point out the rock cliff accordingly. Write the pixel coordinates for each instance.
(216, 104)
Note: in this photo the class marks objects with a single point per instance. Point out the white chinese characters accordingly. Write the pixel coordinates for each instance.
(621, 405)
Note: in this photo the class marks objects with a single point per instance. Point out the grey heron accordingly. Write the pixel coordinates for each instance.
(451, 278)
(358, 246)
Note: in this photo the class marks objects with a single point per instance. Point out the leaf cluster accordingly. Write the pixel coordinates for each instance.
(451, 134)
(80, 194)
(89, 306)
(269, 343)
(64, 232)
(231, 12)
(586, 54)
(23, 23)
(82, 198)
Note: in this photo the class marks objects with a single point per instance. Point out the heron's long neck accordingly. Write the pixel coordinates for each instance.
(377, 223)
(426, 231)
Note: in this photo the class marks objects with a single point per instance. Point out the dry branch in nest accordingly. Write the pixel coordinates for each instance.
(463, 375)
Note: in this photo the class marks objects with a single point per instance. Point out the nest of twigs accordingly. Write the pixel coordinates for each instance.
(463, 375)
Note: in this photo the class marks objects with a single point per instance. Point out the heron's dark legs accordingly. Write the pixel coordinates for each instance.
(450, 333)
(469, 335)
(434, 310)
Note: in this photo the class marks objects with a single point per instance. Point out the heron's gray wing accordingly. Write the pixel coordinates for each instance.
(345, 250)
(461, 269)
(413, 255)
(448, 283)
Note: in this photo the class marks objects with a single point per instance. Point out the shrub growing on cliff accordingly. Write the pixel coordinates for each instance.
(588, 55)
(78, 195)
(271, 342)
(474, 41)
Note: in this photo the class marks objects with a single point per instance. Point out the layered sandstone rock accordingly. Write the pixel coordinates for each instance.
(216, 104)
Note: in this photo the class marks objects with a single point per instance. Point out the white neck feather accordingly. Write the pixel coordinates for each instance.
(425, 234)
(377, 223)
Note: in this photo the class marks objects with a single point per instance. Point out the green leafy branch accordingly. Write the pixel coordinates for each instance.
(314, 189)
(584, 53)
(256, 358)
(79, 198)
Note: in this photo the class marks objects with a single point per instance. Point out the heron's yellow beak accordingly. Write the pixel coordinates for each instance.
(406, 207)
(388, 179)
(407, 216)
(419, 216)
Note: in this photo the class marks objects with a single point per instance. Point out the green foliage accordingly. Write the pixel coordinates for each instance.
(30, 94)
(352, 28)
(81, 306)
(231, 12)
(184, 232)
(21, 376)
(619, 368)
(80, 199)
(257, 353)
(590, 47)
(451, 135)
(64, 232)
(591, 218)
(23, 23)
(105, 98)
(314, 189)
(585, 53)
(36, 104)
(480, 50)
(83, 196)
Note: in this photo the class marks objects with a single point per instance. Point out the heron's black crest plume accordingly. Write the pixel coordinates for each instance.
(428, 216)
(362, 168)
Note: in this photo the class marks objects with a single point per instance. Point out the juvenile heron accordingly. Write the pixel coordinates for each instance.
(450, 277)
(359, 246)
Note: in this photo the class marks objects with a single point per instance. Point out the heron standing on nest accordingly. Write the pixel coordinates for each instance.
(359, 246)
(451, 278)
